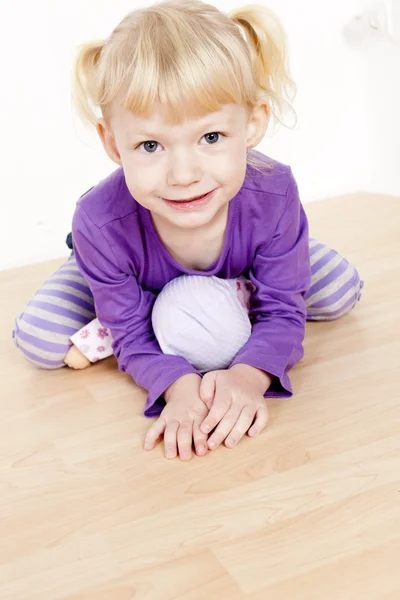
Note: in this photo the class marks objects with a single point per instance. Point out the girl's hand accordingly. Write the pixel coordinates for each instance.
(237, 405)
(180, 420)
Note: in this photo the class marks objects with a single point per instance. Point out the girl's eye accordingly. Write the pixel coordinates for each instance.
(149, 147)
(212, 138)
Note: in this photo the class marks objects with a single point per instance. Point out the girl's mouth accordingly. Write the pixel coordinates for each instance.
(190, 204)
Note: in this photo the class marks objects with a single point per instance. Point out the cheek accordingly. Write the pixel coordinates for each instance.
(232, 168)
(139, 185)
(232, 165)
(143, 173)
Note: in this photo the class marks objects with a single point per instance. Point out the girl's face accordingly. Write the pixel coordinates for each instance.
(166, 167)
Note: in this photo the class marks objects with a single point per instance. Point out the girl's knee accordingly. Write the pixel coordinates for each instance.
(201, 319)
(334, 292)
(58, 310)
(41, 347)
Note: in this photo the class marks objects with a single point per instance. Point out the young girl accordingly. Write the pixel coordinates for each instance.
(194, 254)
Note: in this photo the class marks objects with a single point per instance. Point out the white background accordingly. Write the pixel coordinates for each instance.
(348, 106)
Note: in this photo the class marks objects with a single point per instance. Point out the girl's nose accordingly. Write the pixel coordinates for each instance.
(183, 169)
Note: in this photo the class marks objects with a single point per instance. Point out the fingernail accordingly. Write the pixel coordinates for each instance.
(254, 432)
(206, 429)
(201, 449)
(211, 445)
(147, 446)
(230, 443)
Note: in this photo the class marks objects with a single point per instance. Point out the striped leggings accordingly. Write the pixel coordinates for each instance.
(64, 305)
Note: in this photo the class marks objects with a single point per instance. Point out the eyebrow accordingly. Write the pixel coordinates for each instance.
(211, 124)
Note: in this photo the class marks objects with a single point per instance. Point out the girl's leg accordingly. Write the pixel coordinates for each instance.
(335, 284)
(60, 308)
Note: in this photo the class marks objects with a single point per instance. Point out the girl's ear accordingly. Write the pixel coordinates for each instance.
(108, 141)
(257, 125)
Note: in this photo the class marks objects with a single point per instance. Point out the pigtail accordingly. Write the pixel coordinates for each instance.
(266, 39)
(84, 85)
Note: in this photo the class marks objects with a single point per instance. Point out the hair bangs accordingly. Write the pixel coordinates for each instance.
(181, 97)
(183, 71)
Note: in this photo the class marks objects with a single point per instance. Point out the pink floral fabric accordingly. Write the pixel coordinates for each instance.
(94, 341)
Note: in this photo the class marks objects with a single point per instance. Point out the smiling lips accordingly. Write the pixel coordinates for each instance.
(191, 203)
(188, 199)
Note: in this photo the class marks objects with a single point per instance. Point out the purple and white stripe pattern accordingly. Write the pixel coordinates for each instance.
(62, 306)
(335, 284)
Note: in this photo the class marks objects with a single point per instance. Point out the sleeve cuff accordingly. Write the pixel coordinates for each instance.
(280, 386)
(155, 401)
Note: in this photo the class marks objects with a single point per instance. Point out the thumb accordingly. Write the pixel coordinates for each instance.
(207, 388)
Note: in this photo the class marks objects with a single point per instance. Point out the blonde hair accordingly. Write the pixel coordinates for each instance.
(189, 57)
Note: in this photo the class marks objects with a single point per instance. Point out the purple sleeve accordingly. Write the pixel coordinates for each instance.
(281, 274)
(125, 308)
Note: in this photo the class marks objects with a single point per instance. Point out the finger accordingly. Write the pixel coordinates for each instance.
(242, 425)
(154, 433)
(260, 422)
(221, 405)
(224, 428)
(170, 437)
(185, 437)
(207, 388)
(200, 440)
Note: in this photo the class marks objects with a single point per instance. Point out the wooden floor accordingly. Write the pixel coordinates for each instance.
(310, 510)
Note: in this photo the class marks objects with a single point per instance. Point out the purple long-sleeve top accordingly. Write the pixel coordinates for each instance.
(126, 265)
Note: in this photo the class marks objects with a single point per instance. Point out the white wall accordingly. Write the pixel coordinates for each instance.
(382, 83)
(345, 139)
